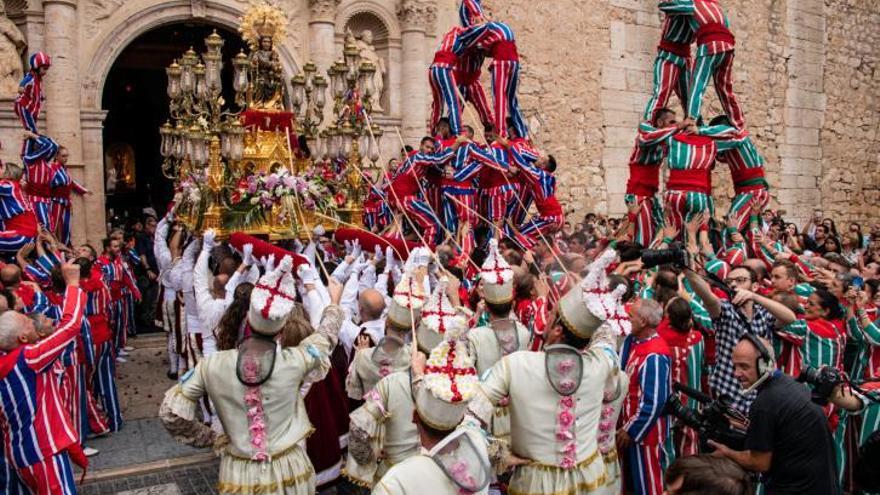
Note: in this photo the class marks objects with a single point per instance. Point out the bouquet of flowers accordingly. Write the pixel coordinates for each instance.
(258, 194)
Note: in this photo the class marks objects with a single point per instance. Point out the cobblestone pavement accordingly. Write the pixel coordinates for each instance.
(190, 480)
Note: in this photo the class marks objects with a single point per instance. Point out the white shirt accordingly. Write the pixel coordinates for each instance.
(349, 332)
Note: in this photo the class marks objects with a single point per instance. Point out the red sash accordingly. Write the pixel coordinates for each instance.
(714, 31)
(100, 329)
(549, 206)
(644, 180)
(681, 49)
(41, 190)
(739, 176)
(61, 192)
(690, 180)
(444, 57)
(23, 224)
(505, 50)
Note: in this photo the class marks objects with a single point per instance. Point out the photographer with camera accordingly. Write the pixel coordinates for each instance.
(745, 313)
(788, 437)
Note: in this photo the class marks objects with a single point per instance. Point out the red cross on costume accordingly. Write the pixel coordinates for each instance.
(409, 293)
(451, 371)
(273, 292)
(497, 270)
(441, 315)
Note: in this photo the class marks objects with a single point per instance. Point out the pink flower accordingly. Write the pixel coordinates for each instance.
(459, 472)
(565, 419)
(271, 181)
(565, 366)
(383, 371)
(566, 402)
(289, 181)
(566, 385)
(570, 448)
(504, 402)
(567, 463)
(564, 435)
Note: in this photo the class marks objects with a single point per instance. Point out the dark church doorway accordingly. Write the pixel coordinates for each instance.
(137, 104)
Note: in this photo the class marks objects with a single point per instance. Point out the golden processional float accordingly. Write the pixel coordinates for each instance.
(263, 165)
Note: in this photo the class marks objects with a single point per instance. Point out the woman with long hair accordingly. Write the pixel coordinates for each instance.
(820, 335)
(230, 330)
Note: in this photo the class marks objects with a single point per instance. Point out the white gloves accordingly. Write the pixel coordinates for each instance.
(247, 256)
(209, 240)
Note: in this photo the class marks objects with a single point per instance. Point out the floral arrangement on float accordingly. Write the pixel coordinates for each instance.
(279, 196)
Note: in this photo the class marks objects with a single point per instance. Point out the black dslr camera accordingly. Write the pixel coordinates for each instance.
(711, 423)
(823, 380)
(675, 255)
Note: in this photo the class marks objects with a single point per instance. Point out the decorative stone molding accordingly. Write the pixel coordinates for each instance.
(323, 10)
(417, 15)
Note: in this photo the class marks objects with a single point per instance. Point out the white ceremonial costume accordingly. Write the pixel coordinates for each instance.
(254, 389)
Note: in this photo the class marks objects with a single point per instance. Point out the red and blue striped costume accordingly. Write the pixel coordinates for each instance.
(647, 362)
(714, 59)
(406, 194)
(747, 172)
(687, 350)
(459, 197)
(102, 376)
(496, 38)
(28, 105)
(644, 179)
(691, 159)
(470, 65)
(16, 217)
(542, 187)
(377, 214)
(121, 282)
(488, 166)
(444, 88)
(38, 189)
(62, 185)
(38, 435)
(521, 208)
(671, 66)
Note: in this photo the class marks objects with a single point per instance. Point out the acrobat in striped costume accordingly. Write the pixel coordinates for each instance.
(38, 435)
(28, 105)
(648, 153)
(123, 289)
(62, 186)
(688, 356)
(19, 223)
(647, 363)
(497, 193)
(671, 65)
(377, 214)
(691, 160)
(405, 192)
(497, 39)
(747, 172)
(714, 59)
(542, 187)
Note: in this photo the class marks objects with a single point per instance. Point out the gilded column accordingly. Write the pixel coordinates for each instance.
(417, 18)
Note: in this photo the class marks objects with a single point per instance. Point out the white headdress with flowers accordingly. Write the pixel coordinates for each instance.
(273, 298)
(602, 302)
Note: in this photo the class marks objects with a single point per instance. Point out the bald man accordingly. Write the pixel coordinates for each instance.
(371, 310)
(788, 436)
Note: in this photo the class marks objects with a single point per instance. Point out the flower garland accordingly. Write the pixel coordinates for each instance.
(565, 434)
(565, 416)
(450, 375)
(253, 399)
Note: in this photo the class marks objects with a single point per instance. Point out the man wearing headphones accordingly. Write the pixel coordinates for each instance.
(788, 437)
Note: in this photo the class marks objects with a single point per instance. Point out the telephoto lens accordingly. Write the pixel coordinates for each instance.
(674, 255)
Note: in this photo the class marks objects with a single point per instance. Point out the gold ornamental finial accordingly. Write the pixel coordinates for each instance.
(263, 19)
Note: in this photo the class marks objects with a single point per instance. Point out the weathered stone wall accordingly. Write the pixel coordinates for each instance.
(805, 73)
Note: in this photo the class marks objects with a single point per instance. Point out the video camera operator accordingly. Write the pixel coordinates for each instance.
(788, 437)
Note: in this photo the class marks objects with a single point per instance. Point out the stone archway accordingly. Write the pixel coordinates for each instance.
(130, 21)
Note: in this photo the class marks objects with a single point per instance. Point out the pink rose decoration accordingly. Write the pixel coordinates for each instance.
(567, 402)
(566, 419)
(504, 402)
(565, 366)
(564, 435)
(567, 463)
(384, 371)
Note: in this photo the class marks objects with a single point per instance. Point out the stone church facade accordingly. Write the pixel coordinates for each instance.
(806, 73)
